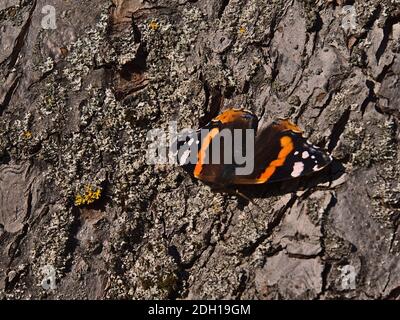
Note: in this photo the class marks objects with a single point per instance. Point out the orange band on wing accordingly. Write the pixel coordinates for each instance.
(231, 115)
(202, 153)
(287, 147)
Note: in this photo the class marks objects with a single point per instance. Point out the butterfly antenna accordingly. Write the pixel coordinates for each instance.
(240, 194)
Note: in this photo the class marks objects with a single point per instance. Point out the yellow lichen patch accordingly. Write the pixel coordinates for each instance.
(242, 30)
(27, 135)
(153, 25)
(89, 196)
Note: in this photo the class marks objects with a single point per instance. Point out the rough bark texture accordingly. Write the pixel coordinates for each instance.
(77, 102)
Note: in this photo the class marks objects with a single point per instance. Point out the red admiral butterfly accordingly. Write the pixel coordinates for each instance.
(280, 151)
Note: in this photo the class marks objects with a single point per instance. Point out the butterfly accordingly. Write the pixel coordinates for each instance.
(247, 155)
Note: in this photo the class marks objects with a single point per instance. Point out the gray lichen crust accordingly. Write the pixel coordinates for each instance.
(78, 198)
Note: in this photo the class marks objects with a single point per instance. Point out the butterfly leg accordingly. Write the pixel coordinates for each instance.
(236, 192)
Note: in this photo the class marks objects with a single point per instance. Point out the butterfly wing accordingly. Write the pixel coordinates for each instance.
(212, 141)
(282, 153)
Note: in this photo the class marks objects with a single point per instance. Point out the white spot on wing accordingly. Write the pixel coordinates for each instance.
(297, 169)
(305, 155)
(296, 153)
(316, 168)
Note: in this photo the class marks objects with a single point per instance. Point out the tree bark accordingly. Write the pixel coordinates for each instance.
(82, 213)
